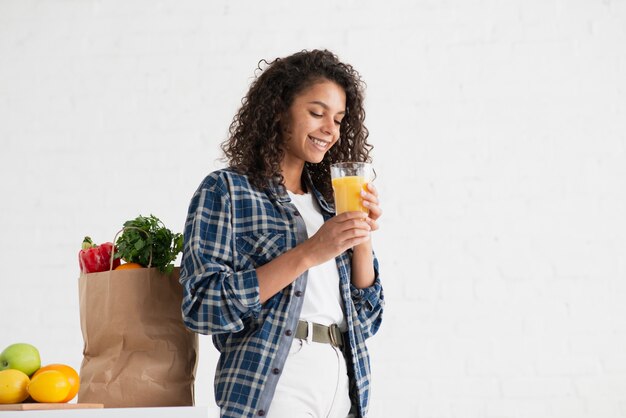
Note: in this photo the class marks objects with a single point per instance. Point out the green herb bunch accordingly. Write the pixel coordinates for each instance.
(146, 237)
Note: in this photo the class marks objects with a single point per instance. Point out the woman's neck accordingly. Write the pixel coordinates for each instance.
(292, 174)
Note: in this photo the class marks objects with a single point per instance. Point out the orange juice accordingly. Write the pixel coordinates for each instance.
(348, 193)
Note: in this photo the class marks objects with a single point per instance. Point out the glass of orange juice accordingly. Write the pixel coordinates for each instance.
(348, 180)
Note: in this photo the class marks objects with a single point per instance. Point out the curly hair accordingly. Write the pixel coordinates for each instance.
(255, 143)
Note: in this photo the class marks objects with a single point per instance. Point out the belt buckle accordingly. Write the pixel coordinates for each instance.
(331, 332)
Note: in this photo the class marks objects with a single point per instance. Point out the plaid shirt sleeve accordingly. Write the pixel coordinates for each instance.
(217, 298)
(369, 303)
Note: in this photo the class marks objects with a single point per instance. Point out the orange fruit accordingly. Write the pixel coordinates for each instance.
(13, 384)
(128, 266)
(50, 386)
(69, 372)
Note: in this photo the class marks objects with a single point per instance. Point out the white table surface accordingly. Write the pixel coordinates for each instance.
(170, 412)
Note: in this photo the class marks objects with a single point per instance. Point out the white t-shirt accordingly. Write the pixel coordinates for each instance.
(322, 298)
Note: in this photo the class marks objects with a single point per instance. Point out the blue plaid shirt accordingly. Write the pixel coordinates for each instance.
(232, 228)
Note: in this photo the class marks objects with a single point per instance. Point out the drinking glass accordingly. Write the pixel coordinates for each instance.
(348, 179)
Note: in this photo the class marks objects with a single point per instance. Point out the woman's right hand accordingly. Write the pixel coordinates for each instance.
(336, 235)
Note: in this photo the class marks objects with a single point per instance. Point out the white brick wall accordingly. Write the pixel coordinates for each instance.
(500, 135)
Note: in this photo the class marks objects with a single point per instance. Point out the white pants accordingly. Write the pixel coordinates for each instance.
(314, 383)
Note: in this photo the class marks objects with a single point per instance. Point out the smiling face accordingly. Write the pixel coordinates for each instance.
(313, 124)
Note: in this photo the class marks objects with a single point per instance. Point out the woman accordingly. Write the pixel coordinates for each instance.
(288, 291)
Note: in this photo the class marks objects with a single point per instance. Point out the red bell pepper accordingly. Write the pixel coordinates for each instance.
(93, 258)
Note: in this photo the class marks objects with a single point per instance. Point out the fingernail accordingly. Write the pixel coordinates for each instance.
(366, 203)
(363, 193)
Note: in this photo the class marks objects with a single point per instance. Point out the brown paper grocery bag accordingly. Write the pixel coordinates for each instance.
(137, 350)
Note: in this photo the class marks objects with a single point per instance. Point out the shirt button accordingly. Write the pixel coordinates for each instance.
(259, 250)
(276, 371)
(296, 213)
(288, 333)
(261, 413)
(298, 293)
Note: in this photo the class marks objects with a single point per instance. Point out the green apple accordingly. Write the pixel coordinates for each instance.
(20, 356)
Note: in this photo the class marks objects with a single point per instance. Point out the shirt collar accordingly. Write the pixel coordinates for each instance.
(280, 192)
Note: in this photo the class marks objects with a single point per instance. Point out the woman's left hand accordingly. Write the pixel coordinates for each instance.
(372, 203)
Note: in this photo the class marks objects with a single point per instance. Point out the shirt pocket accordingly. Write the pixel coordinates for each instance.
(258, 248)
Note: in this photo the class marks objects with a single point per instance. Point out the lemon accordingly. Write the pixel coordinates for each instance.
(49, 387)
(13, 384)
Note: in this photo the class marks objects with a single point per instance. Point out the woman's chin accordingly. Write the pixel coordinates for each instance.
(316, 158)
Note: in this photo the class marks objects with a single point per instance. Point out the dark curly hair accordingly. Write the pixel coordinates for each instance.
(255, 143)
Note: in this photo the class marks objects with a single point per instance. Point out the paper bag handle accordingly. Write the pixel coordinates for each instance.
(115, 239)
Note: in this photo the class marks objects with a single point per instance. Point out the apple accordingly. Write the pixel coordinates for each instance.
(21, 356)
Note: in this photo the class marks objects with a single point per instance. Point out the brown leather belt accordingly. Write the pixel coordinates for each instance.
(321, 333)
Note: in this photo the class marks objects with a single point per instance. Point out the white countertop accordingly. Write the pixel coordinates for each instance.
(170, 412)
